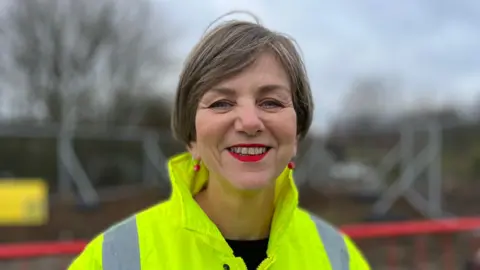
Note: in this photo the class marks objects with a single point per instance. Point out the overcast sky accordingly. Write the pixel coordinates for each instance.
(431, 46)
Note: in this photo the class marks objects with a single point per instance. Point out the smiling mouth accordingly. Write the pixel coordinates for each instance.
(249, 153)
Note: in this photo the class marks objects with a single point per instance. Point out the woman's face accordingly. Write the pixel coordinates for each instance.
(247, 126)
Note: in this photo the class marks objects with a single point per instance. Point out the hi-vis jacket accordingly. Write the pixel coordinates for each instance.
(178, 235)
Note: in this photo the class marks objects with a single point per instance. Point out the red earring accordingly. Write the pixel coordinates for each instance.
(196, 167)
(291, 165)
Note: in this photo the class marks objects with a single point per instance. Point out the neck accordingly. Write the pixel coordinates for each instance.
(239, 215)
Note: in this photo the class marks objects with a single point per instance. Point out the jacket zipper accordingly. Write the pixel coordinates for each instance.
(265, 263)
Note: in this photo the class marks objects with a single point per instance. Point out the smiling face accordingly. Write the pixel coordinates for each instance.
(246, 126)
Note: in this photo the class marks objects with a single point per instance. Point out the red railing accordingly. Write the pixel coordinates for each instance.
(432, 244)
(32, 250)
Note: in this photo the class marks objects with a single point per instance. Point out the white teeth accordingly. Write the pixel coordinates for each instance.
(249, 150)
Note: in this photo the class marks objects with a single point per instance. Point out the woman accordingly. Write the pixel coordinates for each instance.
(243, 102)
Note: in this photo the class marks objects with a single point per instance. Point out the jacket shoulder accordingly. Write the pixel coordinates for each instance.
(121, 234)
(90, 258)
(138, 221)
(341, 250)
(321, 224)
(357, 260)
(336, 245)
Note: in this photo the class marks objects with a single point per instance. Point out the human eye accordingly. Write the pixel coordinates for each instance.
(271, 104)
(221, 105)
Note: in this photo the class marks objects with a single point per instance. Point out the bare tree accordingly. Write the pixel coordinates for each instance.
(80, 60)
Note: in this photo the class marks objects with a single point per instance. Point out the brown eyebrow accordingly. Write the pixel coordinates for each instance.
(264, 89)
(224, 91)
(270, 88)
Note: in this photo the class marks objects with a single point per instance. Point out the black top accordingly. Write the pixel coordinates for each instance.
(252, 252)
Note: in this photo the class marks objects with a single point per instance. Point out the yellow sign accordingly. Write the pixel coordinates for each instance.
(23, 202)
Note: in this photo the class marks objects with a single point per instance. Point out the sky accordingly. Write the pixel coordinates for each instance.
(428, 50)
(429, 47)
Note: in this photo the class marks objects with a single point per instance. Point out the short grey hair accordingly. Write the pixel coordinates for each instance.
(225, 51)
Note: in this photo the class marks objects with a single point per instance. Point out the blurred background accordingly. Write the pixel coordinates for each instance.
(86, 89)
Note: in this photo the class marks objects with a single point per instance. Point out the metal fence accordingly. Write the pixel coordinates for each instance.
(315, 160)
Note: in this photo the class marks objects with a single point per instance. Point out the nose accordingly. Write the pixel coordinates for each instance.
(248, 120)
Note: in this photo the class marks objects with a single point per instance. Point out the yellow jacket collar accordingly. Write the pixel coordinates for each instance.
(186, 183)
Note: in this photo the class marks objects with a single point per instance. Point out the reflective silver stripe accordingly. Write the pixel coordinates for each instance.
(120, 249)
(334, 244)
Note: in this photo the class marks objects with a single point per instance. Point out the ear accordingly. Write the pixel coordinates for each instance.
(193, 150)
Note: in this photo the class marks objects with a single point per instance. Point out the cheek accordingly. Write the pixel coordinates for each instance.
(208, 129)
(284, 128)
(202, 129)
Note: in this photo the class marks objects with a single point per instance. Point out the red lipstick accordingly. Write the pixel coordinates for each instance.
(255, 157)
